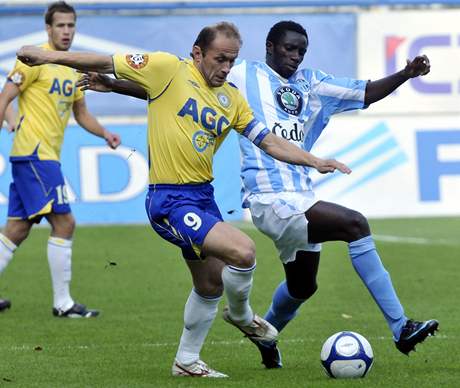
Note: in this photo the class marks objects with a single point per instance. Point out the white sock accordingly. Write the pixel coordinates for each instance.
(199, 314)
(60, 262)
(7, 247)
(237, 286)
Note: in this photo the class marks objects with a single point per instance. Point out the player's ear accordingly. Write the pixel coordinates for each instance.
(197, 54)
(269, 47)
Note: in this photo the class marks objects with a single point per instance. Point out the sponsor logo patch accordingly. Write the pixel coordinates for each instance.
(289, 100)
(224, 100)
(17, 77)
(201, 140)
(137, 61)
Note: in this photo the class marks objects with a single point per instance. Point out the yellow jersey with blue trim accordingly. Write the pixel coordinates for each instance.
(47, 93)
(187, 119)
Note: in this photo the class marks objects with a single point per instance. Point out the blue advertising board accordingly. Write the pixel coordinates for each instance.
(332, 42)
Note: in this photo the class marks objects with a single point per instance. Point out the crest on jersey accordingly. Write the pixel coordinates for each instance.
(17, 77)
(201, 140)
(137, 61)
(303, 85)
(289, 100)
(224, 100)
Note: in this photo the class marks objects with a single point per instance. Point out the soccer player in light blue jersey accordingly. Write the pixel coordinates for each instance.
(297, 105)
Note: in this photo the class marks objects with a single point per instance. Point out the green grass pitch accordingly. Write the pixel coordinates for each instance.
(140, 284)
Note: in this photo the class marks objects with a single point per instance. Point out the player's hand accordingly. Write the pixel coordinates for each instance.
(331, 165)
(112, 139)
(31, 55)
(420, 65)
(95, 81)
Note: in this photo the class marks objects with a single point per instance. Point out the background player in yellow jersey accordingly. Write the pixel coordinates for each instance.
(191, 108)
(47, 95)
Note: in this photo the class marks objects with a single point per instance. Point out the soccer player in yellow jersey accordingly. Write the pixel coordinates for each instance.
(191, 108)
(47, 94)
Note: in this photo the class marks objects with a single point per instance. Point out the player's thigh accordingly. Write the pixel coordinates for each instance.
(63, 225)
(328, 221)
(230, 245)
(207, 276)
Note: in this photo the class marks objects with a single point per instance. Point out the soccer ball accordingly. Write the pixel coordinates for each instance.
(347, 355)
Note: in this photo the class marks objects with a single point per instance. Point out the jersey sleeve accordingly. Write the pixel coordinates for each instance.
(340, 94)
(152, 71)
(22, 75)
(247, 125)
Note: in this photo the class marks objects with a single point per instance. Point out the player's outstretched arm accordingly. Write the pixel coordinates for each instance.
(34, 56)
(87, 121)
(9, 93)
(103, 83)
(376, 90)
(281, 149)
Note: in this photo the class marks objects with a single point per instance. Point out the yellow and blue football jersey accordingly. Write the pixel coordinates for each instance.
(187, 119)
(47, 93)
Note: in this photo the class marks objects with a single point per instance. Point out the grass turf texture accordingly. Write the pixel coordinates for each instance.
(141, 284)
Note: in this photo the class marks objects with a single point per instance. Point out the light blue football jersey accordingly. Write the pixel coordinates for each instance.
(297, 109)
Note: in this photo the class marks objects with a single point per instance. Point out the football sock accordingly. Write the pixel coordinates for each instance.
(60, 262)
(7, 247)
(369, 267)
(237, 286)
(199, 314)
(283, 308)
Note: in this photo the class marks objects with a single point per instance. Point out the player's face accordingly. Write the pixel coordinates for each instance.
(286, 56)
(216, 62)
(61, 31)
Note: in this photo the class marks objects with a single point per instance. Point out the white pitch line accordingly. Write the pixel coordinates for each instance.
(174, 344)
(413, 240)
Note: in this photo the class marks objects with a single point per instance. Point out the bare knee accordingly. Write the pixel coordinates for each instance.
(245, 255)
(357, 226)
(304, 290)
(17, 231)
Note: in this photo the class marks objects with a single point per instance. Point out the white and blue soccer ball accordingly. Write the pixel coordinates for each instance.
(347, 355)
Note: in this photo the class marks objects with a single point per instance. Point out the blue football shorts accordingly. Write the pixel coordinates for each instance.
(183, 215)
(38, 188)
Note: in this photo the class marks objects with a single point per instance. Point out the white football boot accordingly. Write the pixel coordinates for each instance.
(197, 369)
(259, 329)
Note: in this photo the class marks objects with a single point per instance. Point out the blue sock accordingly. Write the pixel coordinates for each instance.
(283, 308)
(369, 267)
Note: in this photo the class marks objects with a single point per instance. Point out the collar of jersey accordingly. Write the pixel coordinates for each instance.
(273, 72)
(47, 46)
